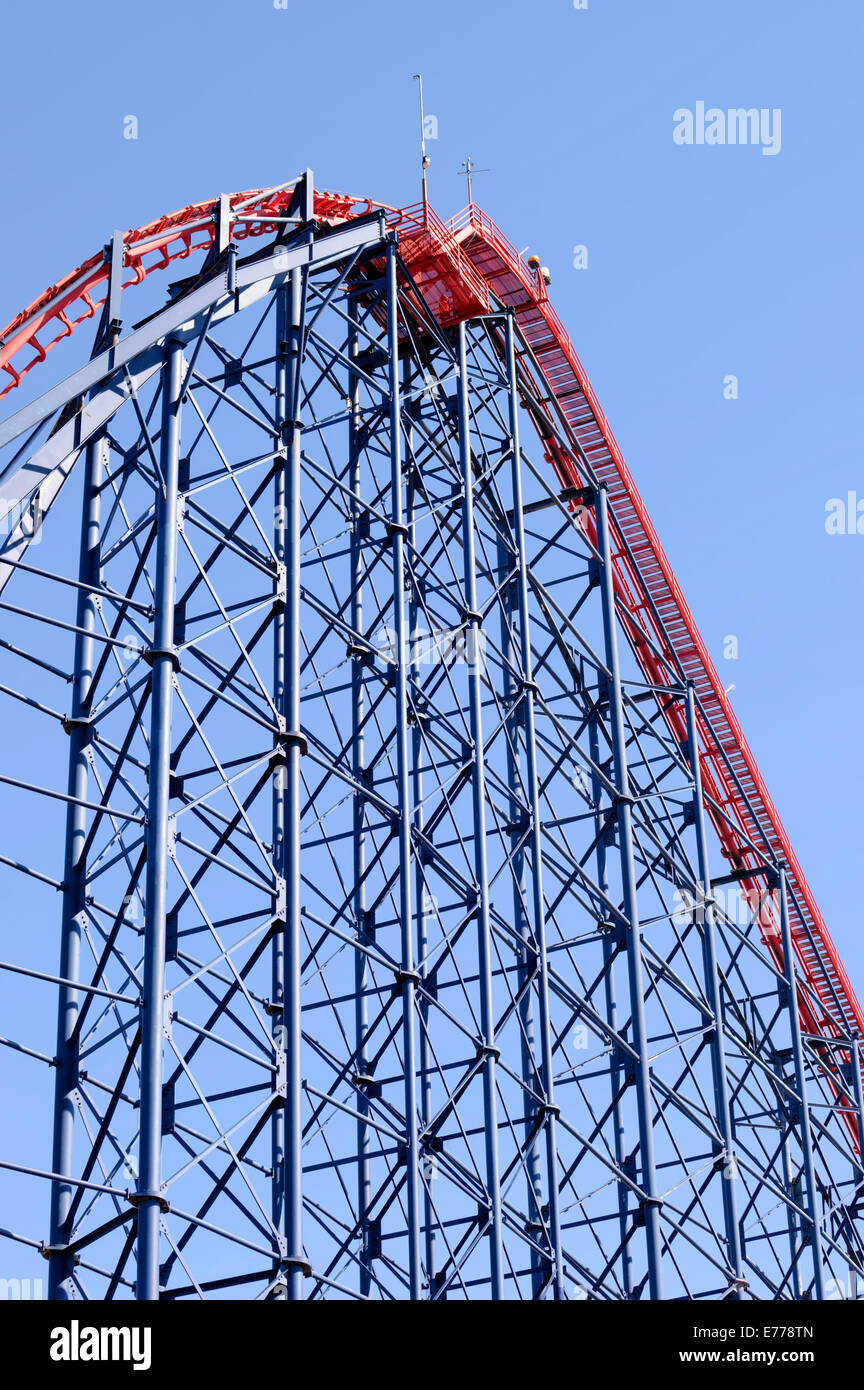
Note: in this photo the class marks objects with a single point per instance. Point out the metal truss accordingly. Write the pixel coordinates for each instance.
(394, 959)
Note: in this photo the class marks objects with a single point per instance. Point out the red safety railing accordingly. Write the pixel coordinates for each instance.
(58, 311)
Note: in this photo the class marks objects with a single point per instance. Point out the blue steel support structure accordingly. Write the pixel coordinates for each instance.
(649, 1200)
(358, 771)
(407, 976)
(616, 1069)
(295, 742)
(705, 910)
(435, 995)
(801, 1110)
(471, 621)
(423, 903)
(537, 950)
(74, 881)
(163, 661)
(281, 639)
(515, 830)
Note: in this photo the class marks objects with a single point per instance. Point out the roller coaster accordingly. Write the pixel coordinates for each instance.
(395, 897)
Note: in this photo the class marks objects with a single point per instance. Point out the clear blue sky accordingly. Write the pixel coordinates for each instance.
(702, 262)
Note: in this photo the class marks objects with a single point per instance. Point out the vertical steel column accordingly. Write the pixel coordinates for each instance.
(811, 1195)
(280, 641)
(616, 1070)
(422, 903)
(358, 771)
(650, 1201)
(291, 1018)
(792, 1185)
(715, 1003)
(472, 623)
(534, 1178)
(74, 877)
(407, 977)
(162, 658)
(528, 689)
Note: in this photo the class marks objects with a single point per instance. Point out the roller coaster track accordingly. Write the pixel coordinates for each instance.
(462, 267)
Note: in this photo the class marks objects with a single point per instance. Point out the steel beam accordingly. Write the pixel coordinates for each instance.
(60, 1266)
(408, 975)
(295, 1261)
(281, 640)
(810, 1194)
(610, 952)
(642, 1081)
(358, 770)
(163, 661)
(422, 898)
(538, 905)
(511, 700)
(472, 622)
(726, 1156)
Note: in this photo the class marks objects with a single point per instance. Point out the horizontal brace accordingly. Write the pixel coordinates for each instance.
(31, 873)
(69, 984)
(737, 875)
(63, 796)
(64, 1178)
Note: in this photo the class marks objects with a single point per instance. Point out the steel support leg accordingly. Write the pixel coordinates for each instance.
(291, 1018)
(74, 879)
(715, 1003)
(810, 1195)
(472, 622)
(280, 648)
(162, 659)
(792, 1185)
(408, 975)
(524, 971)
(422, 903)
(358, 771)
(536, 836)
(651, 1204)
(616, 1071)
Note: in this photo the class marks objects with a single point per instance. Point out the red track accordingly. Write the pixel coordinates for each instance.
(460, 267)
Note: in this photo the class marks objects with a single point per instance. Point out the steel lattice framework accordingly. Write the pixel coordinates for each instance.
(398, 951)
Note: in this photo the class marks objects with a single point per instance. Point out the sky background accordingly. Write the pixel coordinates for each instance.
(702, 262)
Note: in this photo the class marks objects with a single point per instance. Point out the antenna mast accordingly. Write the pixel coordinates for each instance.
(424, 158)
(466, 169)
